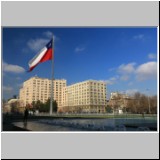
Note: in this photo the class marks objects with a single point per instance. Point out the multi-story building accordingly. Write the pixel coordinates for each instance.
(40, 89)
(88, 96)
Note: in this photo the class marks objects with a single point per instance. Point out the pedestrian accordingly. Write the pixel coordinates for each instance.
(25, 115)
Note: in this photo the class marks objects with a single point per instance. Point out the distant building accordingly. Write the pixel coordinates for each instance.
(8, 106)
(37, 88)
(117, 95)
(118, 101)
(88, 96)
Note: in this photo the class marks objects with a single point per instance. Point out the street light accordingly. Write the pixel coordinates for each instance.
(149, 106)
(125, 102)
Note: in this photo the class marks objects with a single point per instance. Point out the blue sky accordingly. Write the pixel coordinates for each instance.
(126, 58)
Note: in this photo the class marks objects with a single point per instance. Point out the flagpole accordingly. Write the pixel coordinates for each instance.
(51, 101)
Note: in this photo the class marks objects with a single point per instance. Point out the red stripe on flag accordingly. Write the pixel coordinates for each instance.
(47, 55)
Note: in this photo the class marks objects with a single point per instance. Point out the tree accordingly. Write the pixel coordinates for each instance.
(109, 109)
(38, 104)
(55, 107)
(139, 103)
(14, 108)
(41, 107)
(153, 104)
(45, 107)
(132, 105)
(143, 104)
(137, 97)
(33, 104)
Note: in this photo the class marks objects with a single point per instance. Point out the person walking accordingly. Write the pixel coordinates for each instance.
(26, 115)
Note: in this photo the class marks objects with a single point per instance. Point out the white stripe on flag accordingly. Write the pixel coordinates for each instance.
(35, 60)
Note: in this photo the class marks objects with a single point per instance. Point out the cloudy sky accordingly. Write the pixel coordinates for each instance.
(126, 58)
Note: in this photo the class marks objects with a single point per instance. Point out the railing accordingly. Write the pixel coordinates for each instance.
(103, 115)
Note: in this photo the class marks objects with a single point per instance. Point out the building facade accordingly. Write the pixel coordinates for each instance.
(37, 88)
(88, 96)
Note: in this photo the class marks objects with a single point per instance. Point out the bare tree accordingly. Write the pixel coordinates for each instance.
(153, 104)
(139, 103)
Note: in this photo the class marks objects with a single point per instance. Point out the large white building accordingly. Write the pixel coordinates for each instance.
(87, 96)
(37, 88)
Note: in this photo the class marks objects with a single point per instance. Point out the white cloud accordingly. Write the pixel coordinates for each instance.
(124, 77)
(142, 72)
(37, 44)
(109, 82)
(111, 69)
(146, 71)
(152, 56)
(12, 68)
(126, 69)
(49, 34)
(79, 49)
(7, 89)
(131, 91)
(139, 36)
(112, 80)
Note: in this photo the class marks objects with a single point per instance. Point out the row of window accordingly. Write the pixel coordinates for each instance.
(45, 81)
(87, 103)
(49, 88)
(88, 83)
(49, 85)
(86, 89)
(88, 98)
(88, 92)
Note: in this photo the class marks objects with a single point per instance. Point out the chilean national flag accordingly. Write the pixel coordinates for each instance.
(44, 55)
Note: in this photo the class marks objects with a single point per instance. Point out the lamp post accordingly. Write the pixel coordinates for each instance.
(124, 102)
(149, 106)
